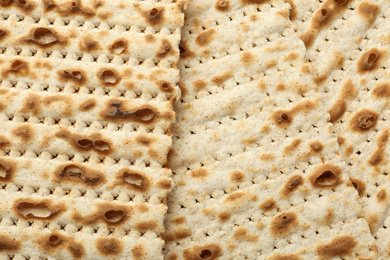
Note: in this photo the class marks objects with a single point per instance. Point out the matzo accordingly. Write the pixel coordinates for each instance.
(350, 57)
(256, 166)
(85, 115)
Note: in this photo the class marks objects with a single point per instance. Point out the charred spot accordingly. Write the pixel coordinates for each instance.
(363, 120)
(44, 37)
(37, 209)
(77, 76)
(109, 246)
(134, 180)
(24, 132)
(205, 37)
(283, 223)
(369, 61)
(3, 34)
(119, 46)
(109, 77)
(359, 185)
(4, 142)
(7, 169)
(339, 246)
(209, 252)
(76, 249)
(268, 205)
(87, 105)
(165, 49)
(185, 51)
(222, 5)
(116, 112)
(110, 213)
(8, 243)
(79, 174)
(88, 44)
(282, 118)
(154, 16)
(165, 86)
(292, 184)
(326, 176)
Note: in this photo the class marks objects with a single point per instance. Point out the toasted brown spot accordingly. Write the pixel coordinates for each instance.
(165, 49)
(283, 223)
(179, 220)
(134, 180)
(237, 176)
(209, 252)
(293, 10)
(185, 51)
(42, 209)
(320, 79)
(291, 185)
(109, 246)
(117, 112)
(177, 235)
(379, 154)
(76, 249)
(17, 67)
(44, 37)
(4, 142)
(381, 195)
(165, 86)
(247, 58)
(382, 90)
(282, 118)
(284, 257)
(369, 61)
(72, 75)
(241, 233)
(51, 241)
(67, 109)
(363, 120)
(3, 34)
(199, 84)
(368, 11)
(316, 147)
(200, 173)
(329, 216)
(25, 6)
(138, 252)
(292, 147)
(78, 173)
(267, 157)
(32, 104)
(110, 213)
(218, 80)
(109, 77)
(155, 16)
(234, 196)
(24, 132)
(7, 169)
(146, 225)
(340, 106)
(372, 220)
(325, 176)
(164, 184)
(253, 2)
(222, 5)
(224, 216)
(70, 8)
(82, 143)
(8, 243)
(268, 205)
(88, 44)
(339, 246)
(204, 38)
(149, 38)
(144, 140)
(87, 105)
(359, 185)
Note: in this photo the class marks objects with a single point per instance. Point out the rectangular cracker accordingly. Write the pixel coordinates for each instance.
(350, 58)
(86, 110)
(257, 168)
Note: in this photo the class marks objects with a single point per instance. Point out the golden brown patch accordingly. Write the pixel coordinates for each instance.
(283, 223)
(339, 246)
(224, 216)
(359, 185)
(283, 118)
(138, 252)
(222, 5)
(247, 58)
(237, 176)
(166, 49)
(110, 213)
(82, 143)
(67, 109)
(368, 11)
(109, 246)
(77, 173)
(204, 38)
(185, 51)
(154, 16)
(218, 80)
(76, 249)
(52, 241)
(149, 38)
(329, 216)
(267, 157)
(209, 252)
(381, 195)
(292, 147)
(165, 184)
(380, 153)
(25, 6)
(199, 84)
(316, 146)
(267, 205)
(177, 235)
(254, 2)
(292, 55)
(9, 243)
(145, 140)
(44, 37)
(340, 106)
(293, 10)
(133, 180)
(69, 8)
(18, 67)
(87, 105)
(363, 120)
(146, 225)
(41, 209)
(369, 61)
(31, 104)
(382, 90)
(116, 112)
(179, 220)
(109, 77)
(165, 86)
(25, 132)
(4, 33)
(7, 169)
(4, 142)
(242, 234)
(291, 185)
(88, 44)
(200, 173)
(284, 257)
(76, 76)
(234, 196)
(325, 176)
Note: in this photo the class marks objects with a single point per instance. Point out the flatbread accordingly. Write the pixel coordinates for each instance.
(86, 110)
(351, 60)
(257, 168)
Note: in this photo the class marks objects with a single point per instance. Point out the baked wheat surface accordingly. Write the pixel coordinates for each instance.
(85, 115)
(257, 168)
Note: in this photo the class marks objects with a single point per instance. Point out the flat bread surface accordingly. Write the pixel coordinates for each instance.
(86, 110)
(257, 169)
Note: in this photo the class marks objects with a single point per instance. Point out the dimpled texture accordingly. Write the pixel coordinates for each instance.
(257, 169)
(350, 60)
(86, 110)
